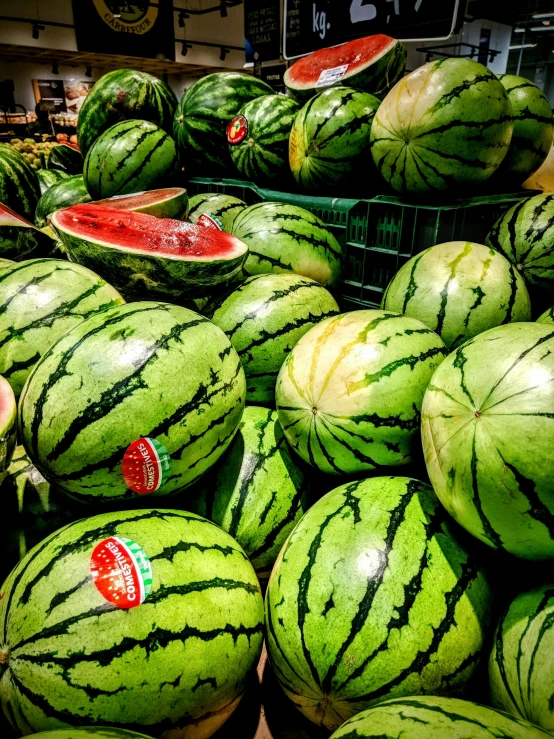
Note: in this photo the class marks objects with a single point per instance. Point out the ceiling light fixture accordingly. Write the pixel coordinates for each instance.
(542, 28)
(55, 68)
(223, 8)
(185, 48)
(522, 46)
(536, 16)
(519, 30)
(37, 28)
(88, 72)
(182, 18)
(223, 53)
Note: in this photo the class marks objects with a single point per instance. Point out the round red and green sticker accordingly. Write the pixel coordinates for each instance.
(209, 222)
(121, 571)
(237, 130)
(146, 465)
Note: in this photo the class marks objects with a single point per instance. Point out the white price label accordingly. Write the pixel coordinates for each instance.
(330, 76)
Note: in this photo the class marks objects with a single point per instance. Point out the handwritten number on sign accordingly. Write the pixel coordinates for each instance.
(360, 12)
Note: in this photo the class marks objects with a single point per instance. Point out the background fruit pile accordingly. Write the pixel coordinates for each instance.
(189, 420)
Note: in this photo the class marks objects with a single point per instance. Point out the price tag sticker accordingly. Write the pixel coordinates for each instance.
(146, 466)
(209, 221)
(121, 572)
(237, 130)
(330, 76)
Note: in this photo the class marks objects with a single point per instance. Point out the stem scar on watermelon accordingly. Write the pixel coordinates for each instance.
(142, 254)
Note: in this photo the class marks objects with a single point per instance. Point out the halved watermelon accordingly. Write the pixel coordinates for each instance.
(19, 239)
(373, 64)
(144, 256)
(8, 414)
(169, 202)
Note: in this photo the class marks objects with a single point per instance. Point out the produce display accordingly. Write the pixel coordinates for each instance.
(319, 328)
(459, 290)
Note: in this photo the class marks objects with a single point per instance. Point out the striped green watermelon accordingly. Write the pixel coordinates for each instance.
(372, 598)
(431, 717)
(19, 239)
(547, 316)
(459, 289)
(286, 238)
(214, 210)
(349, 394)
(144, 255)
(443, 128)
(143, 371)
(66, 159)
(41, 299)
(149, 620)
(533, 130)
(373, 64)
(329, 142)
(33, 508)
(521, 668)
(202, 117)
(121, 95)
(90, 731)
(258, 492)
(48, 177)
(128, 157)
(488, 437)
(525, 234)
(168, 202)
(69, 191)
(259, 138)
(8, 430)
(264, 318)
(19, 187)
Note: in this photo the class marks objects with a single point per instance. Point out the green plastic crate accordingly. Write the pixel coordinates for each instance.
(382, 233)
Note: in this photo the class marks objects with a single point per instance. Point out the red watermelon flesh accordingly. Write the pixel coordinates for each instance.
(373, 64)
(141, 233)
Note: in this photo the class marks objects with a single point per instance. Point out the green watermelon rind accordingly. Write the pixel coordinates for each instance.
(69, 191)
(222, 208)
(65, 158)
(19, 186)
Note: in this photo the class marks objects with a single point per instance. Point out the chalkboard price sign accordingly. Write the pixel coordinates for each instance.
(315, 24)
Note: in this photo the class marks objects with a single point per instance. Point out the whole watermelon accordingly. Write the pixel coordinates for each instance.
(68, 191)
(19, 187)
(329, 141)
(165, 649)
(40, 300)
(121, 95)
(525, 234)
(259, 138)
(131, 156)
(445, 127)
(349, 394)
(48, 177)
(286, 238)
(258, 491)
(488, 437)
(430, 717)
(33, 507)
(202, 117)
(372, 598)
(533, 131)
(521, 669)
(65, 158)
(142, 398)
(459, 289)
(264, 318)
(214, 210)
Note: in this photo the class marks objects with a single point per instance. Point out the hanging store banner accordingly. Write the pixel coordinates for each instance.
(315, 24)
(142, 29)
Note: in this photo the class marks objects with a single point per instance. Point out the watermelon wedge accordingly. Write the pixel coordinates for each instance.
(19, 239)
(373, 64)
(169, 202)
(144, 256)
(8, 414)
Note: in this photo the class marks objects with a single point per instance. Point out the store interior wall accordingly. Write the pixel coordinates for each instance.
(209, 27)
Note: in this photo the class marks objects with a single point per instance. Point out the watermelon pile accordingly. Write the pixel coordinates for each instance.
(190, 415)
